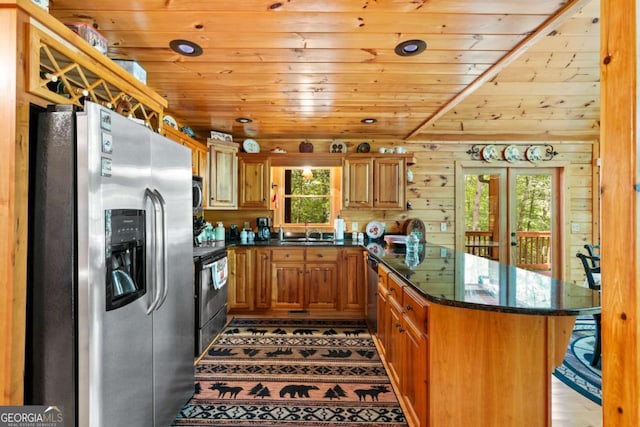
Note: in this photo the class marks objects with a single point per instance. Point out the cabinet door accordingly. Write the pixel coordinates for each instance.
(357, 189)
(262, 278)
(389, 183)
(383, 322)
(223, 177)
(394, 350)
(352, 283)
(254, 183)
(240, 282)
(414, 372)
(288, 286)
(321, 285)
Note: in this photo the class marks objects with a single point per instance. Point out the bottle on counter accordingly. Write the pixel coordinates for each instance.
(280, 233)
(219, 232)
(244, 236)
(412, 248)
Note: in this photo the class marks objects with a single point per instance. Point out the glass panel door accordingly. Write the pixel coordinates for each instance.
(531, 213)
(510, 216)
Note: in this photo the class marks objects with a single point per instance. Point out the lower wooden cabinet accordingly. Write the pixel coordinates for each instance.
(327, 280)
(352, 280)
(415, 379)
(240, 281)
(402, 334)
(304, 279)
(262, 278)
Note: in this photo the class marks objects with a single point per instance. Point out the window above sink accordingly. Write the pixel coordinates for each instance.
(306, 195)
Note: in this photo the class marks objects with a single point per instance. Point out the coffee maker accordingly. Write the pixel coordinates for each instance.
(264, 228)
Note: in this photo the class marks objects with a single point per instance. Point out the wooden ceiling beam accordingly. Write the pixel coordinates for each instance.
(569, 10)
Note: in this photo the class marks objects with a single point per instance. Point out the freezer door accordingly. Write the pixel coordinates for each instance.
(115, 347)
(173, 319)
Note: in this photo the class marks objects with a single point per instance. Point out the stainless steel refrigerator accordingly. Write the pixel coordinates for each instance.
(110, 289)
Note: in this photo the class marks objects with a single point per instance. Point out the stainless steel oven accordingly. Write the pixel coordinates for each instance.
(211, 272)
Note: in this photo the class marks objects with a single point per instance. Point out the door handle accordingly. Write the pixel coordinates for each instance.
(165, 268)
(152, 280)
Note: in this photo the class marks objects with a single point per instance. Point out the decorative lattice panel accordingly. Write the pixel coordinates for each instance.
(63, 75)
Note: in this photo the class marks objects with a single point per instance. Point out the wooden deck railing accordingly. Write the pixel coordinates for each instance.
(533, 250)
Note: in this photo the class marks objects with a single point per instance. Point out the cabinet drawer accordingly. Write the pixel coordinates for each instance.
(287, 255)
(415, 308)
(394, 288)
(322, 254)
(383, 276)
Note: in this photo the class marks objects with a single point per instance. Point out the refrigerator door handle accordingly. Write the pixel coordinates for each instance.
(148, 194)
(164, 282)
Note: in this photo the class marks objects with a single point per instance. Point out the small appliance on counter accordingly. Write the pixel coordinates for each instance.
(199, 224)
(264, 228)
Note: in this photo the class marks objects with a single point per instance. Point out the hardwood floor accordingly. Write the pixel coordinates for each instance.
(570, 409)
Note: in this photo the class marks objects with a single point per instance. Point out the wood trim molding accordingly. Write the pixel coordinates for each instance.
(563, 14)
(620, 216)
(12, 279)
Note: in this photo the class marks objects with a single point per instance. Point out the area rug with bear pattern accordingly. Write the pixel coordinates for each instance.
(292, 372)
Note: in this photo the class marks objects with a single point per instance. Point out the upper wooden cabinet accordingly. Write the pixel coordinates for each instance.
(223, 175)
(198, 150)
(357, 188)
(389, 183)
(254, 181)
(374, 182)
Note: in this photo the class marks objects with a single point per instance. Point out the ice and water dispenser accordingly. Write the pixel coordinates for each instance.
(125, 256)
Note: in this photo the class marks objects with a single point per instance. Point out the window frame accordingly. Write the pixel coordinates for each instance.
(335, 196)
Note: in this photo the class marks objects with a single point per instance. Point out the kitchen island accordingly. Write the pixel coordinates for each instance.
(469, 341)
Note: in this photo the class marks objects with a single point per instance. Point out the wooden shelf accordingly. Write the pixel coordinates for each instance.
(64, 69)
(323, 159)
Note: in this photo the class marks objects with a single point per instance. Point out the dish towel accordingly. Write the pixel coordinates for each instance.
(219, 273)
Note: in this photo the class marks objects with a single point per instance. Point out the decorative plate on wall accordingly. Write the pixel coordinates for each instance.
(533, 154)
(251, 146)
(170, 121)
(511, 153)
(375, 229)
(489, 153)
(363, 148)
(338, 147)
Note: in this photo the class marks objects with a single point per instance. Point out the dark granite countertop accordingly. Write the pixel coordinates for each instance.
(275, 243)
(448, 277)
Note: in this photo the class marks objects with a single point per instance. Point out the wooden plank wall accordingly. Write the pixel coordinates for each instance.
(432, 193)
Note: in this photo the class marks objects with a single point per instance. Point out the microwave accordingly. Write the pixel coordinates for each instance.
(198, 195)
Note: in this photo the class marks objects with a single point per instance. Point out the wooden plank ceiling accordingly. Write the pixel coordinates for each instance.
(313, 69)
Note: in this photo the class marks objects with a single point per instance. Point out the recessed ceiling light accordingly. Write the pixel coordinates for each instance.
(243, 120)
(368, 121)
(410, 47)
(185, 47)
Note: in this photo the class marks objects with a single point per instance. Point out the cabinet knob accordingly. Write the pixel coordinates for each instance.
(409, 308)
(392, 289)
(397, 325)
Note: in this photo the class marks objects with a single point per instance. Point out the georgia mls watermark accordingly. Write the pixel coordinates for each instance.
(31, 416)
